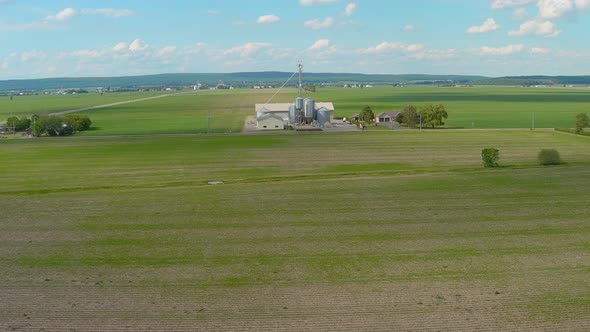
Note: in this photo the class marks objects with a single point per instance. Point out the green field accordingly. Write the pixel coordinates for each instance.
(475, 107)
(330, 231)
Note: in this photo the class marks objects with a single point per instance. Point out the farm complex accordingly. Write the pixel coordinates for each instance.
(165, 216)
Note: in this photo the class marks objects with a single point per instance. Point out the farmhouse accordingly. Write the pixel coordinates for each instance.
(387, 116)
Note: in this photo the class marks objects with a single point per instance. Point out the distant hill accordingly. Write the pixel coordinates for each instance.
(275, 78)
(536, 80)
(235, 79)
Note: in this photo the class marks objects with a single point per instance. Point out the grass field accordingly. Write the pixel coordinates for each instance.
(45, 104)
(331, 231)
(476, 107)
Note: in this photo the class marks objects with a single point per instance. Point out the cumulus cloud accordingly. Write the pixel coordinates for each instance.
(109, 12)
(502, 4)
(350, 8)
(319, 24)
(268, 19)
(166, 50)
(315, 2)
(409, 27)
(536, 28)
(389, 46)
(138, 45)
(320, 44)
(520, 14)
(488, 26)
(63, 15)
(554, 8)
(539, 50)
(505, 50)
(582, 4)
(120, 47)
(247, 49)
(87, 53)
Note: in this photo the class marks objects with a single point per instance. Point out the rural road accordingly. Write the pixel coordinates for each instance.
(115, 104)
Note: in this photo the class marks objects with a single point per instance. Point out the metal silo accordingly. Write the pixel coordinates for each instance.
(324, 116)
(309, 108)
(299, 103)
(292, 113)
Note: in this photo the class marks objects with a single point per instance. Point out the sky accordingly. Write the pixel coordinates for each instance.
(75, 38)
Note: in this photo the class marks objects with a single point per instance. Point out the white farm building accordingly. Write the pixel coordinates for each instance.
(302, 111)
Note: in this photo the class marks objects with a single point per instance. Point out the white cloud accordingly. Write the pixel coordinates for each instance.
(502, 4)
(388, 46)
(63, 15)
(87, 53)
(32, 55)
(166, 50)
(213, 12)
(582, 4)
(247, 49)
(350, 8)
(315, 2)
(109, 12)
(554, 8)
(318, 24)
(506, 50)
(138, 45)
(409, 27)
(539, 50)
(4, 65)
(487, 26)
(120, 47)
(537, 28)
(320, 44)
(520, 14)
(268, 19)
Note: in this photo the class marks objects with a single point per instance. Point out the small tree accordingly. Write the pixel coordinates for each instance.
(490, 157)
(549, 157)
(77, 122)
(409, 116)
(366, 115)
(434, 115)
(582, 121)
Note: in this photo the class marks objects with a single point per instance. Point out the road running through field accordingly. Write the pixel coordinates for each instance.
(117, 103)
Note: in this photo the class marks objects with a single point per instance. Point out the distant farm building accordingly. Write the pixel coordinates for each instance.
(301, 112)
(270, 121)
(387, 116)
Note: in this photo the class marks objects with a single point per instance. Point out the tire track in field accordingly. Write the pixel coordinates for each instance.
(117, 103)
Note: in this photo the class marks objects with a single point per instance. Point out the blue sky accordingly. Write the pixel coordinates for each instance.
(71, 38)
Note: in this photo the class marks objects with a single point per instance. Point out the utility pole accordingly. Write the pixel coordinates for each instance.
(208, 120)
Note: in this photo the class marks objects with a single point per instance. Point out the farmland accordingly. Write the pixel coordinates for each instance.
(469, 107)
(348, 231)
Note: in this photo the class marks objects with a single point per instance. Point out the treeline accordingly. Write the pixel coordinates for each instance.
(428, 115)
(51, 125)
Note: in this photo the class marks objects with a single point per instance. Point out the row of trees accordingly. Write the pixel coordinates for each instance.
(53, 125)
(429, 115)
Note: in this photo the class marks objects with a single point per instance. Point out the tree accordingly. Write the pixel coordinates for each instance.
(77, 122)
(582, 121)
(549, 157)
(409, 116)
(490, 157)
(433, 115)
(19, 124)
(366, 115)
(51, 126)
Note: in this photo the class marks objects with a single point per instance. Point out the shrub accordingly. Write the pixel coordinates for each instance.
(549, 157)
(490, 157)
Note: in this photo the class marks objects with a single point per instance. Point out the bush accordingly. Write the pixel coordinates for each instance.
(549, 157)
(77, 122)
(490, 157)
